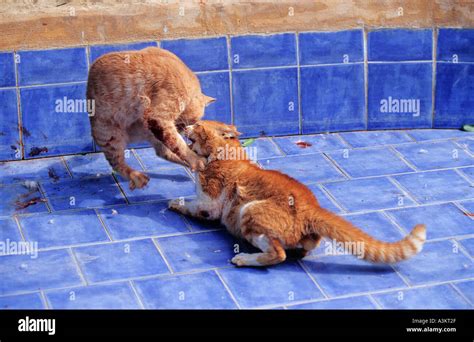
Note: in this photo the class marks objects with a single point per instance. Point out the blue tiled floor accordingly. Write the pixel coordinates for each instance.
(104, 246)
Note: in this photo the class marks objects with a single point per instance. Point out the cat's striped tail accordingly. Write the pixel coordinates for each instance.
(355, 241)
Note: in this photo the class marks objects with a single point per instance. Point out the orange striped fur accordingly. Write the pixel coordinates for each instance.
(271, 210)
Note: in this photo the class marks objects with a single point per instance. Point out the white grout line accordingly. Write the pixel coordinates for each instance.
(104, 226)
(313, 279)
(78, 266)
(459, 292)
(236, 302)
(163, 256)
(44, 299)
(298, 79)
(366, 77)
(433, 76)
(375, 302)
(135, 292)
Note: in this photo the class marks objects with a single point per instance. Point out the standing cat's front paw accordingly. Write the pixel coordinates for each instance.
(197, 164)
(138, 180)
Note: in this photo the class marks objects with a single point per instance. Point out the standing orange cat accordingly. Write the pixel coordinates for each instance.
(271, 210)
(147, 95)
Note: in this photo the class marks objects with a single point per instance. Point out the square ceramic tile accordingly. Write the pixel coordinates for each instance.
(436, 134)
(83, 193)
(46, 111)
(452, 221)
(52, 169)
(9, 136)
(331, 47)
(469, 206)
(266, 101)
(164, 184)
(433, 186)
(151, 219)
(358, 194)
(468, 245)
(346, 274)
(323, 198)
(262, 148)
(305, 168)
(253, 51)
(30, 301)
(402, 100)
(435, 155)
(53, 230)
(120, 260)
(7, 69)
(217, 85)
(199, 251)
(438, 261)
(99, 50)
(369, 162)
(192, 291)
(21, 273)
(454, 103)
(19, 199)
(400, 45)
(376, 225)
(469, 171)
(109, 296)
(151, 161)
(455, 44)
(435, 297)
(467, 289)
(200, 54)
(279, 284)
(467, 143)
(308, 144)
(52, 66)
(333, 98)
(368, 139)
(96, 165)
(352, 303)
(9, 231)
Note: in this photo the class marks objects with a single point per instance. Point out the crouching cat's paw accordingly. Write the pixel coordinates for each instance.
(175, 205)
(197, 164)
(241, 259)
(138, 180)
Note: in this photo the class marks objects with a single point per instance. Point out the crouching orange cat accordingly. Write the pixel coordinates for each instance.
(271, 210)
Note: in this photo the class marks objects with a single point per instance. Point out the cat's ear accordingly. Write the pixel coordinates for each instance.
(231, 132)
(208, 100)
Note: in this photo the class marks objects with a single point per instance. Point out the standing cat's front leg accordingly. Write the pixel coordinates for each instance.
(203, 210)
(166, 132)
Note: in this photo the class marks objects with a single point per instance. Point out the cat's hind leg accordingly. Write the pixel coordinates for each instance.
(113, 146)
(272, 252)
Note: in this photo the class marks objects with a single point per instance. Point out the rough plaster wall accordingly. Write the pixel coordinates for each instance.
(52, 23)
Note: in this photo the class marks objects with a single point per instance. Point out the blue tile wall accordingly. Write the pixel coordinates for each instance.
(266, 101)
(454, 105)
(7, 70)
(52, 66)
(332, 98)
(393, 83)
(99, 50)
(331, 47)
(217, 85)
(10, 147)
(200, 54)
(263, 51)
(43, 119)
(278, 84)
(455, 43)
(400, 45)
